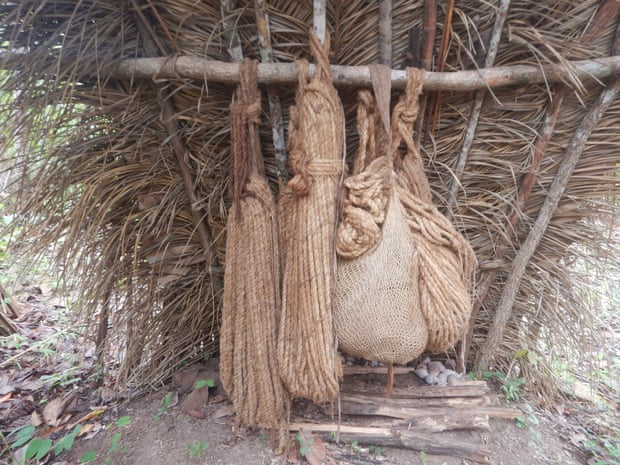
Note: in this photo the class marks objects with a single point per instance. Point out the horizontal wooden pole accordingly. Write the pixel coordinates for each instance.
(359, 76)
(197, 68)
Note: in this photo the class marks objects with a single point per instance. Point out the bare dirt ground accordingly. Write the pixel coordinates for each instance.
(46, 380)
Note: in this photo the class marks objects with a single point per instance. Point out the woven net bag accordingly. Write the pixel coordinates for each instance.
(377, 312)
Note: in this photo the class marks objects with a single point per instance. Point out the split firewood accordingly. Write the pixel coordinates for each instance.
(386, 437)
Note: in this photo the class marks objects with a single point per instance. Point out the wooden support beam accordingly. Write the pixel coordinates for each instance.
(273, 95)
(556, 190)
(169, 121)
(358, 76)
(476, 110)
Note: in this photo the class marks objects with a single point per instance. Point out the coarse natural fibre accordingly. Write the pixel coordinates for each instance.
(377, 304)
(446, 260)
(248, 362)
(307, 355)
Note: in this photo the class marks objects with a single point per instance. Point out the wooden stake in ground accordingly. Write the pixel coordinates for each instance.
(307, 355)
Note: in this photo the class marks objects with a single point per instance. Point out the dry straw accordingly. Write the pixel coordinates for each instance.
(307, 355)
(248, 365)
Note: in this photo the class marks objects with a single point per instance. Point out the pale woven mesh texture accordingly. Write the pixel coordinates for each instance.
(377, 311)
(307, 357)
(377, 306)
(426, 306)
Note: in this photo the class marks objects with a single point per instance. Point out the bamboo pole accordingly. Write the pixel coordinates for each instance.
(184, 67)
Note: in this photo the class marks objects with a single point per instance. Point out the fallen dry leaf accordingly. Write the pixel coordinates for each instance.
(90, 415)
(224, 411)
(35, 418)
(53, 411)
(89, 430)
(6, 397)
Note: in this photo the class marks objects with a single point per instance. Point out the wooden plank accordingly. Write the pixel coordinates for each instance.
(387, 437)
(455, 421)
(446, 422)
(393, 410)
(361, 399)
(419, 392)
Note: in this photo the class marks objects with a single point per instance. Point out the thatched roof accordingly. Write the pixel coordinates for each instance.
(126, 178)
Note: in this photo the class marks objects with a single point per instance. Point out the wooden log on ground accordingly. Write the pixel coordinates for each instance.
(460, 420)
(421, 392)
(375, 407)
(389, 408)
(413, 440)
(415, 403)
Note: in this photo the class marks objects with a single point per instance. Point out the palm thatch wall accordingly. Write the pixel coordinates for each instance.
(126, 178)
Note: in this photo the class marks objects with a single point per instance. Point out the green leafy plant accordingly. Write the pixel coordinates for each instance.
(511, 387)
(304, 444)
(377, 450)
(197, 448)
(165, 405)
(37, 448)
(199, 384)
(62, 379)
(67, 441)
(115, 443)
(355, 447)
(424, 459)
(605, 449)
(22, 436)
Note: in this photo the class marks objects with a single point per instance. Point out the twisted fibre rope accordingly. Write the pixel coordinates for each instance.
(368, 190)
(307, 356)
(248, 367)
(446, 259)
